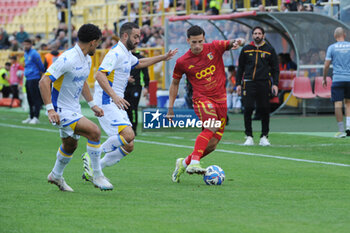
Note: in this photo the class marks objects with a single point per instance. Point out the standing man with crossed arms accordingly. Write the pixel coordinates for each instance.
(204, 69)
(112, 79)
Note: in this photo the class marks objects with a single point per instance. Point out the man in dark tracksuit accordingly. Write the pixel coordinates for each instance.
(138, 78)
(257, 63)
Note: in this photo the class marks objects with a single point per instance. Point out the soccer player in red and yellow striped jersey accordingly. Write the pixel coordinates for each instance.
(204, 68)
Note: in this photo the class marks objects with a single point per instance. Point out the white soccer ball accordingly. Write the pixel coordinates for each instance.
(19, 73)
(214, 175)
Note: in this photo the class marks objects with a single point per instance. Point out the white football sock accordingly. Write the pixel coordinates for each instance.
(113, 157)
(341, 126)
(62, 160)
(347, 122)
(94, 150)
(194, 162)
(113, 142)
(184, 163)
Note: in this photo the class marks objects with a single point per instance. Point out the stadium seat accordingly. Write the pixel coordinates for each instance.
(320, 91)
(302, 88)
(286, 80)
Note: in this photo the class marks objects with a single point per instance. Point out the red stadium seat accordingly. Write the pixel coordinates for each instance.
(320, 91)
(302, 88)
(286, 80)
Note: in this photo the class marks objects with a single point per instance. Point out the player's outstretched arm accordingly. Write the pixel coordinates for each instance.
(173, 90)
(144, 62)
(103, 81)
(45, 91)
(88, 97)
(236, 43)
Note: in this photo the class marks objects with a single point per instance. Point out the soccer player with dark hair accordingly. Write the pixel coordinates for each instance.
(68, 75)
(204, 69)
(111, 79)
(257, 62)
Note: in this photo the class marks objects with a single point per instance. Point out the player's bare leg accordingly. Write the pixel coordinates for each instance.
(90, 130)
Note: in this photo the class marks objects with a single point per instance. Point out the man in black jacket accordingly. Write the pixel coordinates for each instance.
(257, 65)
(137, 79)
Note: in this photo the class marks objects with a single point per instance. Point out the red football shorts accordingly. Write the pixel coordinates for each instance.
(207, 109)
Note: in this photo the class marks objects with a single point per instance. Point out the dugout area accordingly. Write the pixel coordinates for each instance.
(304, 35)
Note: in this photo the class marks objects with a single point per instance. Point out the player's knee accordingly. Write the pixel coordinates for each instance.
(128, 134)
(95, 134)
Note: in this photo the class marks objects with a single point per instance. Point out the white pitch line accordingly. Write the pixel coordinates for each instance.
(251, 154)
(190, 147)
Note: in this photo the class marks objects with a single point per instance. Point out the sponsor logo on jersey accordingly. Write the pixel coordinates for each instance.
(190, 67)
(79, 78)
(205, 72)
(210, 56)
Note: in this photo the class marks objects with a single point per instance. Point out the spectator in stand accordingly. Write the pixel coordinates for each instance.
(146, 19)
(51, 57)
(14, 46)
(309, 7)
(4, 80)
(4, 39)
(107, 43)
(146, 34)
(44, 47)
(215, 6)
(291, 65)
(32, 70)
(282, 62)
(62, 6)
(21, 35)
(284, 8)
(261, 8)
(233, 100)
(61, 40)
(292, 5)
(107, 32)
(16, 75)
(38, 42)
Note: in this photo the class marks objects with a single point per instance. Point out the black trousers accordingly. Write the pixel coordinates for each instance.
(256, 94)
(6, 90)
(34, 97)
(14, 90)
(132, 95)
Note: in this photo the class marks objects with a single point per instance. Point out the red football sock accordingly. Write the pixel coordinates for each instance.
(188, 159)
(201, 144)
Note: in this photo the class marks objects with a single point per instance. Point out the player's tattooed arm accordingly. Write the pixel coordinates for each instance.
(145, 62)
(236, 43)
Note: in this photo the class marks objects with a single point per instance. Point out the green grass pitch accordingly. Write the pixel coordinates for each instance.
(278, 189)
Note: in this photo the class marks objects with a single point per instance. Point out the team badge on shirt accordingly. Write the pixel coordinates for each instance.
(210, 56)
